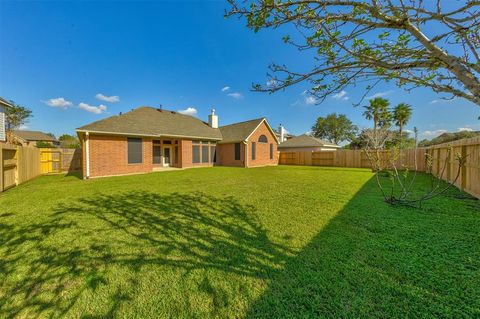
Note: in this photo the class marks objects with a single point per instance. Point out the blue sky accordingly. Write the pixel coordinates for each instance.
(70, 62)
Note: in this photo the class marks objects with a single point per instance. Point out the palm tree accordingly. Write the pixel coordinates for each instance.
(378, 111)
(401, 115)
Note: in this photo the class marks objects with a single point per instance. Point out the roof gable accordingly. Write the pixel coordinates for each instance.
(239, 132)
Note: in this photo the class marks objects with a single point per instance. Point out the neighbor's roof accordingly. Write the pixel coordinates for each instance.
(305, 141)
(239, 132)
(5, 102)
(149, 121)
(34, 136)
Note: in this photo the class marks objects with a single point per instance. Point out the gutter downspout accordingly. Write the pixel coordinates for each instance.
(87, 156)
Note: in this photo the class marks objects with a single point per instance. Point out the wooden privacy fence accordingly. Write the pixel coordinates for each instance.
(468, 181)
(351, 158)
(57, 160)
(18, 164)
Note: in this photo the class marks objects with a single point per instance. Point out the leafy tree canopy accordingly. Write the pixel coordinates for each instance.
(413, 43)
(334, 128)
(69, 141)
(449, 137)
(16, 115)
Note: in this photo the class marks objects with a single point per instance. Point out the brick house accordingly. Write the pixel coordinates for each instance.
(147, 139)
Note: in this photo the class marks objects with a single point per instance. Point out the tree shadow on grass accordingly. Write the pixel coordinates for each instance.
(375, 261)
(50, 264)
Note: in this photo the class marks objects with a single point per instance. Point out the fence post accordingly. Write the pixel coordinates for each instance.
(17, 160)
(464, 169)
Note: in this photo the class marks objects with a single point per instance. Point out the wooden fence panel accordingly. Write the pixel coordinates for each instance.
(18, 164)
(444, 164)
(28, 161)
(57, 160)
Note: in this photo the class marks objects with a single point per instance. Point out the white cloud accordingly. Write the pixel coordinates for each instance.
(379, 94)
(93, 109)
(434, 133)
(225, 88)
(235, 95)
(58, 102)
(23, 127)
(272, 83)
(342, 95)
(310, 100)
(188, 111)
(111, 99)
(468, 129)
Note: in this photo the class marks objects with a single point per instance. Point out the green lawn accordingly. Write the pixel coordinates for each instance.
(273, 242)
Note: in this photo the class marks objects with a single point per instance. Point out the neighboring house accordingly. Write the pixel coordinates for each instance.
(282, 134)
(3, 123)
(31, 138)
(148, 139)
(306, 143)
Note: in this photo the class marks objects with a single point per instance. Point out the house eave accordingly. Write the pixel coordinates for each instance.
(148, 135)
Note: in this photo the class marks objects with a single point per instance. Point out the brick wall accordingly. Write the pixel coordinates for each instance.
(108, 156)
(187, 159)
(226, 155)
(263, 149)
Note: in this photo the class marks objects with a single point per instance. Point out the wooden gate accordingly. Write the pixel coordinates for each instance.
(50, 161)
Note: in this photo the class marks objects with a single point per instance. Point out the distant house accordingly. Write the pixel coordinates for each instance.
(3, 123)
(31, 138)
(148, 139)
(306, 143)
(282, 134)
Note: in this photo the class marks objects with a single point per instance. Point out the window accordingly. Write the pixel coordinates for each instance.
(271, 151)
(167, 142)
(237, 151)
(254, 150)
(213, 154)
(135, 150)
(196, 154)
(263, 139)
(205, 153)
(156, 154)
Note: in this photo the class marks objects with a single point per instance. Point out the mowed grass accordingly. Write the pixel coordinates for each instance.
(274, 242)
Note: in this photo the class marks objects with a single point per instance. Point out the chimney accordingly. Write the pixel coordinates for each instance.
(213, 119)
(281, 131)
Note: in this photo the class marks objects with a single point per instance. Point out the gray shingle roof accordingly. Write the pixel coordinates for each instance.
(4, 102)
(305, 141)
(34, 136)
(149, 121)
(239, 132)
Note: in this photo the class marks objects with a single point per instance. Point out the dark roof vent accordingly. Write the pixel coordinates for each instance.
(173, 112)
(120, 113)
(159, 110)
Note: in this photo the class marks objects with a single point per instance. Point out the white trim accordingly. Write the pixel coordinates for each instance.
(245, 144)
(87, 155)
(150, 135)
(268, 126)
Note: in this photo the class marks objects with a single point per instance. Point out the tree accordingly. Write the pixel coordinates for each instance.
(15, 116)
(401, 115)
(377, 110)
(69, 141)
(334, 128)
(414, 43)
